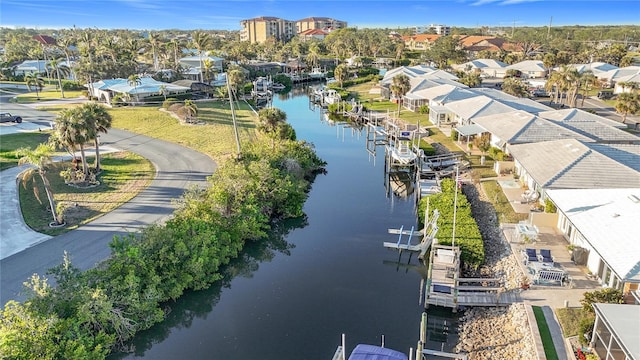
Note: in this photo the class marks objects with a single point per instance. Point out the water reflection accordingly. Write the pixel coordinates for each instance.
(198, 304)
(338, 279)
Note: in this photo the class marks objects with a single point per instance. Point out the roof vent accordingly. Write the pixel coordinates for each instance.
(615, 215)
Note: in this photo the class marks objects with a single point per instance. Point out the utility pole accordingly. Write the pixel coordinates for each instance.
(549, 30)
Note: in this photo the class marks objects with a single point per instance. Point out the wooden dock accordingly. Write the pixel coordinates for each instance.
(444, 286)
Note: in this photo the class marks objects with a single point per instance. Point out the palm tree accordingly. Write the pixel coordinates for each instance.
(235, 77)
(208, 69)
(60, 70)
(154, 41)
(72, 132)
(627, 103)
(163, 91)
(201, 41)
(400, 86)
(588, 80)
(191, 109)
(34, 79)
(40, 159)
(313, 56)
(271, 120)
(65, 44)
(98, 118)
(134, 80)
(340, 73)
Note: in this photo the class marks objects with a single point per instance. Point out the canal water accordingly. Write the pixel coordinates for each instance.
(317, 277)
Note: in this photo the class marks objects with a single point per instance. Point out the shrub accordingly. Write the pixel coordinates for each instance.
(549, 206)
(454, 135)
(468, 236)
(118, 100)
(71, 85)
(364, 72)
(168, 102)
(424, 109)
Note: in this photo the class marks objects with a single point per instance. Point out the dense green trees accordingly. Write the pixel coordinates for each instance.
(446, 50)
(89, 313)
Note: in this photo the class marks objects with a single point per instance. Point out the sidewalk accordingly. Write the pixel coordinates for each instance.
(15, 235)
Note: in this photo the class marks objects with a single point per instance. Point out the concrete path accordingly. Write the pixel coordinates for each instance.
(178, 168)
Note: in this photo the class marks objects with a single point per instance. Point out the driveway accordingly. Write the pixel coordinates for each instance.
(178, 168)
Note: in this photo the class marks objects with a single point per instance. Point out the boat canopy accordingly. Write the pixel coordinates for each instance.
(371, 352)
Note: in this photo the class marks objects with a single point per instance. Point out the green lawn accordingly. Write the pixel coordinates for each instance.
(47, 94)
(124, 175)
(569, 319)
(215, 137)
(496, 196)
(545, 335)
(10, 142)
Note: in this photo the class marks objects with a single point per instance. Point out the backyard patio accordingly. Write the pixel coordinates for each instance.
(557, 271)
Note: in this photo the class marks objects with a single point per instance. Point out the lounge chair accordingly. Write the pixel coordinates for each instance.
(530, 255)
(545, 256)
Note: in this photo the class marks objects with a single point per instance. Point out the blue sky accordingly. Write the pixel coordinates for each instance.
(226, 14)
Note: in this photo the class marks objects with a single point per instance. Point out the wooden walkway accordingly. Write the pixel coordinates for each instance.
(444, 286)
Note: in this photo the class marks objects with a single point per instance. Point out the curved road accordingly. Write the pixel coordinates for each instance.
(177, 167)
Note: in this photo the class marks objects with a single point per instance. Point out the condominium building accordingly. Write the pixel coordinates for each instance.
(440, 29)
(258, 30)
(322, 23)
(437, 29)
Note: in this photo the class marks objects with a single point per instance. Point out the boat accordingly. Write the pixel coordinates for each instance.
(401, 153)
(317, 73)
(277, 86)
(401, 184)
(331, 96)
(429, 187)
(368, 352)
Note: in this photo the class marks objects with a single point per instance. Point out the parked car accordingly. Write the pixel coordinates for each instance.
(604, 95)
(539, 93)
(6, 117)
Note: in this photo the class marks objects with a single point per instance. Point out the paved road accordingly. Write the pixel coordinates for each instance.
(177, 168)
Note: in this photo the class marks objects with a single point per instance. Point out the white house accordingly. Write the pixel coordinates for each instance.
(603, 221)
(530, 68)
(572, 164)
(611, 77)
(486, 67)
(616, 331)
(105, 90)
(31, 66)
(193, 63)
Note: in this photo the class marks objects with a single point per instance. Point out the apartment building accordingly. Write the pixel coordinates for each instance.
(322, 23)
(440, 29)
(258, 30)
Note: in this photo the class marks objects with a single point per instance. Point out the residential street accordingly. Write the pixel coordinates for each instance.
(178, 168)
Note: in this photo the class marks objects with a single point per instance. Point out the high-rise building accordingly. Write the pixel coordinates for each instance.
(322, 23)
(440, 29)
(260, 29)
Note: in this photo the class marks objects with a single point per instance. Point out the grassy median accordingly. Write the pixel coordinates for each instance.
(124, 175)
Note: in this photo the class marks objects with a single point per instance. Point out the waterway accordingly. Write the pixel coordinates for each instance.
(317, 277)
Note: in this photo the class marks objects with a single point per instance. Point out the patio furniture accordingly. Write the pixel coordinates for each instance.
(546, 273)
(526, 232)
(530, 255)
(545, 256)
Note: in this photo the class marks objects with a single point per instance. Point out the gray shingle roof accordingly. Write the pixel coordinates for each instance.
(519, 127)
(571, 164)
